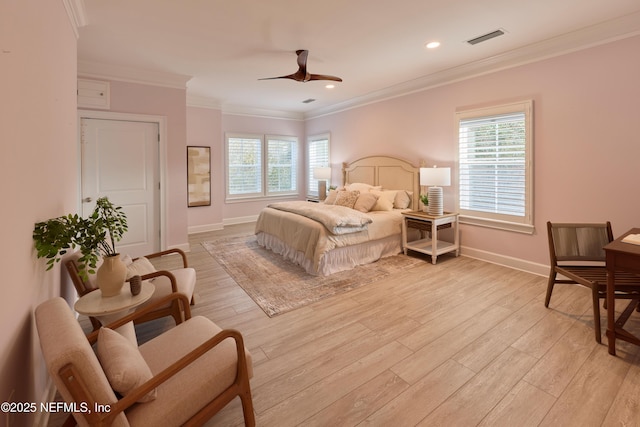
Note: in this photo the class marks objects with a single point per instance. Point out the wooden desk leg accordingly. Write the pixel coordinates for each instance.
(611, 312)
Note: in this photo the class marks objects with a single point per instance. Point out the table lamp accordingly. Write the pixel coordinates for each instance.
(435, 177)
(322, 175)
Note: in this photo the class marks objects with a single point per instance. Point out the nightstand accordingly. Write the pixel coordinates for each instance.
(428, 225)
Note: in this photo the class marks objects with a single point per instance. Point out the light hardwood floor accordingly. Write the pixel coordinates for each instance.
(460, 343)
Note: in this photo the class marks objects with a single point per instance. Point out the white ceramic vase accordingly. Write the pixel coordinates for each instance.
(111, 275)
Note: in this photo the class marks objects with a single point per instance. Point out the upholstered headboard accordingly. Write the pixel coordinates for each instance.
(391, 173)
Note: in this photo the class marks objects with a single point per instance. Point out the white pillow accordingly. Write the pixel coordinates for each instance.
(361, 187)
(331, 197)
(140, 267)
(385, 200)
(365, 202)
(123, 364)
(402, 200)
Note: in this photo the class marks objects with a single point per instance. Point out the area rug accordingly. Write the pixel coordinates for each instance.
(278, 285)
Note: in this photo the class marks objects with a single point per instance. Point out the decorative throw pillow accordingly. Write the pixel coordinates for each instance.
(140, 267)
(385, 200)
(361, 187)
(365, 202)
(123, 364)
(331, 198)
(402, 200)
(347, 198)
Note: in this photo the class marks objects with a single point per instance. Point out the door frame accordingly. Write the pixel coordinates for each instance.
(161, 121)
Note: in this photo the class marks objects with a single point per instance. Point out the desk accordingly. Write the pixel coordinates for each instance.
(620, 256)
(110, 309)
(432, 223)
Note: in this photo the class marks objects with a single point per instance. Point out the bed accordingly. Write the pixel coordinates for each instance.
(309, 243)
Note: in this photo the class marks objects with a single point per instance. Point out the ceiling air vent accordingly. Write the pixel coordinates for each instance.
(486, 37)
(307, 101)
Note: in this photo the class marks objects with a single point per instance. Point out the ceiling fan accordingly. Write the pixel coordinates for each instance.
(302, 75)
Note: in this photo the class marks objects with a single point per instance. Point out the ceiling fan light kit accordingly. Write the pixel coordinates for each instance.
(302, 75)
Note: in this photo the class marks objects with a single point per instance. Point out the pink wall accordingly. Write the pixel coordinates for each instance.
(208, 127)
(204, 128)
(170, 103)
(586, 144)
(38, 178)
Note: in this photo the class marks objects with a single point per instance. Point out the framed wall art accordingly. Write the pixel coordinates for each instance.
(198, 176)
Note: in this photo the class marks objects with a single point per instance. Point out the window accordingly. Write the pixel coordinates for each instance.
(261, 166)
(317, 156)
(495, 167)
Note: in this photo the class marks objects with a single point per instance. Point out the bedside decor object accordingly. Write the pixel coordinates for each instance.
(435, 177)
(322, 174)
(424, 198)
(136, 285)
(93, 236)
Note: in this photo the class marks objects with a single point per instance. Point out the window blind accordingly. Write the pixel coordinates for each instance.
(282, 156)
(244, 164)
(492, 158)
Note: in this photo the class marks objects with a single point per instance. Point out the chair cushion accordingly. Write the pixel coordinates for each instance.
(197, 384)
(185, 281)
(122, 363)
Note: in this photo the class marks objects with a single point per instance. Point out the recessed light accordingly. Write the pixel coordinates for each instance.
(330, 86)
(432, 45)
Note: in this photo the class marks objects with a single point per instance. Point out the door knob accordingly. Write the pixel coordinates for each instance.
(87, 200)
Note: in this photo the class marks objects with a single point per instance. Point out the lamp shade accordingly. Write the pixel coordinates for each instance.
(435, 176)
(322, 173)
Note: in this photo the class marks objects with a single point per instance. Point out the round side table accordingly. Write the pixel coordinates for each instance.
(110, 309)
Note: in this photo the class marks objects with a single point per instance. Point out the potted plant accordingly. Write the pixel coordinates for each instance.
(424, 198)
(94, 236)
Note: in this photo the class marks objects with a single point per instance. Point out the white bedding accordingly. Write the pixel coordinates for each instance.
(309, 244)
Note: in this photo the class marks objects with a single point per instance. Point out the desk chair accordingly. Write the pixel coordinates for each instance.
(576, 254)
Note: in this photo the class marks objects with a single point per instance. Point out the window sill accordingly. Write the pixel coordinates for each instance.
(497, 224)
(262, 198)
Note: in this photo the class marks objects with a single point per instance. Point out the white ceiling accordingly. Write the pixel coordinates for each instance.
(220, 48)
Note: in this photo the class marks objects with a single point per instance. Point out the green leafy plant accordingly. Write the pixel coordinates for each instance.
(94, 236)
(424, 198)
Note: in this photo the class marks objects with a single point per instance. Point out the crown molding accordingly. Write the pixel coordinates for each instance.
(603, 33)
(103, 71)
(236, 110)
(203, 102)
(77, 16)
(262, 113)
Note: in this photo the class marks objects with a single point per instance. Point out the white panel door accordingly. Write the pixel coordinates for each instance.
(120, 160)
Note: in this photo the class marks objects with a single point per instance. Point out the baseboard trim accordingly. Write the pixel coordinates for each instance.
(204, 228)
(507, 261)
(240, 220)
(186, 247)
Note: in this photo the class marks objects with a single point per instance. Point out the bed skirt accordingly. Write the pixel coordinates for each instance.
(338, 259)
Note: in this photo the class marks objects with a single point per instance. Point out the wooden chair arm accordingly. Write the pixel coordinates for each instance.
(169, 252)
(93, 336)
(172, 278)
(137, 393)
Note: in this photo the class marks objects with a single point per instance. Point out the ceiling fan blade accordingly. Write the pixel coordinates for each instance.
(290, 76)
(302, 75)
(324, 77)
(302, 60)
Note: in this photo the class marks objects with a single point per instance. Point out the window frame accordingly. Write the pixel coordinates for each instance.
(503, 221)
(312, 183)
(264, 192)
